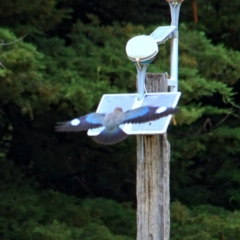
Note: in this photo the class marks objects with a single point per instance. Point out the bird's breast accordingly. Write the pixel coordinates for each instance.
(112, 120)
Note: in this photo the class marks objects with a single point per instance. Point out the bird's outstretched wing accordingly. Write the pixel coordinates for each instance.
(147, 113)
(89, 121)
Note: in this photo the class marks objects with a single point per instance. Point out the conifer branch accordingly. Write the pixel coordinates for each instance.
(4, 44)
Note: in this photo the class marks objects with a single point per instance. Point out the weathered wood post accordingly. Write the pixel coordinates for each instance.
(153, 219)
(153, 151)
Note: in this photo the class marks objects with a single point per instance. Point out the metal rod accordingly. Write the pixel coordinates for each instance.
(175, 9)
(174, 63)
(141, 75)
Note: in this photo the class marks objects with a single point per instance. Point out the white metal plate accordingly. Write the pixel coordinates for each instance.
(161, 33)
(129, 101)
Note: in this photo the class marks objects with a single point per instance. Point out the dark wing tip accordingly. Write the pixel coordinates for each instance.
(64, 127)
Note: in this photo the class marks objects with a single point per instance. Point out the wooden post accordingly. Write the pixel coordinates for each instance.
(153, 214)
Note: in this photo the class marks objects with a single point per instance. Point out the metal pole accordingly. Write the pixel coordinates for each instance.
(175, 9)
(141, 75)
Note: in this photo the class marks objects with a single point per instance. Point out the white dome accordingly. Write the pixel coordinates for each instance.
(141, 47)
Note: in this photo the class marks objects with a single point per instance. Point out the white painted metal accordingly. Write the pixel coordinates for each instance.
(161, 34)
(141, 48)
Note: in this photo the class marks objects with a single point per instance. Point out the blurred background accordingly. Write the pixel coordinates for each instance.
(65, 186)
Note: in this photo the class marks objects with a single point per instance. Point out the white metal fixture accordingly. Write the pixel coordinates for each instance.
(130, 101)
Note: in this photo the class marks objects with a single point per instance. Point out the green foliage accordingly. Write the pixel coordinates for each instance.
(208, 139)
(63, 73)
(31, 213)
(60, 81)
(205, 139)
(203, 222)
(61, 231)
(219, 19)
(71, 56)
(66, 91)
(27, 18)
(22, 82)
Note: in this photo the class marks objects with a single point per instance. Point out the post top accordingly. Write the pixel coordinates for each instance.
(174, 1)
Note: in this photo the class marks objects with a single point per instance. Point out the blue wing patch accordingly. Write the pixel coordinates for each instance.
(147, 113)
(131, 115)
(94, 118)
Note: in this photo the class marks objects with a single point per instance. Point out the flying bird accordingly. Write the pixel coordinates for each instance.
(112, 133)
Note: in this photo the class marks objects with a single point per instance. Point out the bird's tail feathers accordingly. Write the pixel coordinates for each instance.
(110, 136)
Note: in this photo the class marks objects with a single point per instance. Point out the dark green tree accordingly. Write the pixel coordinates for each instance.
(30, 213)
(63, 74)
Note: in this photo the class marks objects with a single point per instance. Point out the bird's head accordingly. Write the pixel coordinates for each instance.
(118, 109)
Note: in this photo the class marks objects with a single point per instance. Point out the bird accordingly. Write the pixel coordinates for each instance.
(112, 133)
